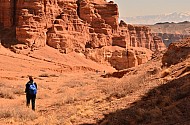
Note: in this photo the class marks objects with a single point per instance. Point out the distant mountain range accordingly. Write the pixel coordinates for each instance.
(171, 28)
(153, 19)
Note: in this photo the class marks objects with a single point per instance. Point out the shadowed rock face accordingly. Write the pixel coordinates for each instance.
(169, 38)
(6, 13)
(73, 25)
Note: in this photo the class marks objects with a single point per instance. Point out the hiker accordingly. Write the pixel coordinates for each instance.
(31, 91)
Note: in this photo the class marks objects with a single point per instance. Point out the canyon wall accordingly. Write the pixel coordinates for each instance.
(75, 25)
(137, 36)
(171, 32)
(119, 57)
(177, 52)
(169, 38)
(6, 13)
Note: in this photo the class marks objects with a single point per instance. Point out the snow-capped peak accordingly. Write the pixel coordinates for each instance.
(152, 19)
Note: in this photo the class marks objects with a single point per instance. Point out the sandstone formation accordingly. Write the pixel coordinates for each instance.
(171, 32)
(137, 36)
(177, 52)
(77, 25)
(6, 13)
(169, 38)
(118, 57)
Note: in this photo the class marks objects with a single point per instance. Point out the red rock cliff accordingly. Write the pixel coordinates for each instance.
(73, 25)
(6, 13)
(58, 23)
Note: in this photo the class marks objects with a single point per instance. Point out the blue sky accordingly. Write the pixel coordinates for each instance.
(151, 7)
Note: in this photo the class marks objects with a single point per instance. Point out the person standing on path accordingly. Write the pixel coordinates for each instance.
(31, 91)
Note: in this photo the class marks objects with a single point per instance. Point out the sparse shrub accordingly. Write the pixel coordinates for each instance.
(43, 96)
(63, 101)
(153, 71)
(44, 75)
(165, 73)
(51, 119)
(116, 95)
(53, 75)
(19, 90)
(75, 83)
(5, 113)
(70, 100)
(139, 115)
(124, 87)
(18, 113)
(1, 85)
(58, 103)
(166, 101)
(6, 93)
(47, 75)
(156, 112)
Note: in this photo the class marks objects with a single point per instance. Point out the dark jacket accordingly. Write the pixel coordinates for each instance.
(28, 85)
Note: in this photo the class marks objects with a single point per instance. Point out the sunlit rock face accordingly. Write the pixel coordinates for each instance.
(83, 26)
(177, 52)
(119, 57)
(137, 36)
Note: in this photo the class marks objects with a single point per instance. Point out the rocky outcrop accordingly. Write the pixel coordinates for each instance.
(66, 25)
(177, 52)
(137, 36)
(169, 38)
(118, 57)
(123, 59)
(171, 32)
(34, 18)
(72, 25)
(157, 44)
(68, 32)
(6, 13)
(102, 19)
(83, 26)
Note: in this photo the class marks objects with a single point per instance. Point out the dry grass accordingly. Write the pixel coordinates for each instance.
(17, 113)
(65, 99)
(19, 90)
(48, 75)
(9, 92)
(51, 119)
(121, 88)
(78, 97)
(6, 93)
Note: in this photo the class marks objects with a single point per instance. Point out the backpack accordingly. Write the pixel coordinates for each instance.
(32, 89)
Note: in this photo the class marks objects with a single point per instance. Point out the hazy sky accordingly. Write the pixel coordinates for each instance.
(151, 7)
